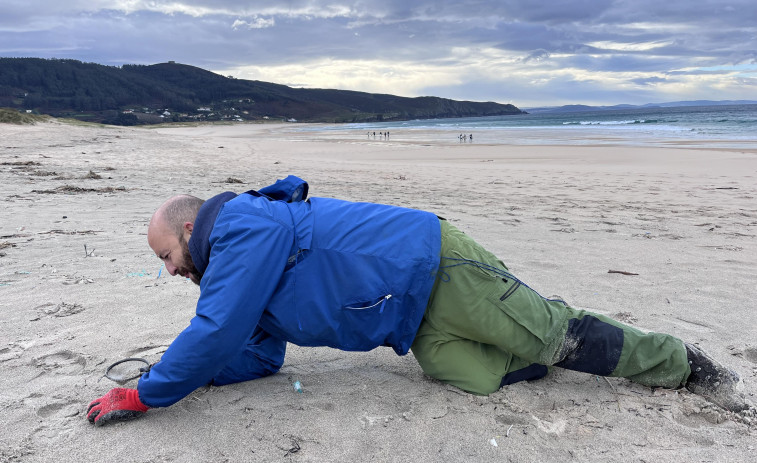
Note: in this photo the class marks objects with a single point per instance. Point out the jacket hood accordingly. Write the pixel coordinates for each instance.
(199, 242)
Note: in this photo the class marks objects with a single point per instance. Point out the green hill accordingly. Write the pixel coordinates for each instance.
(134, 94)
(13, 116)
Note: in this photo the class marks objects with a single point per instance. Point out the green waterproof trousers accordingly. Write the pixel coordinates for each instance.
(483, 328)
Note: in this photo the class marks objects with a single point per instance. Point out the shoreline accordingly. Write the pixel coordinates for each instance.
(541, 136)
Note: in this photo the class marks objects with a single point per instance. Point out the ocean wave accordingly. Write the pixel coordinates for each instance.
(621, 122)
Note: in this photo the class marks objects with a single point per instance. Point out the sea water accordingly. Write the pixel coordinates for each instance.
(727, 126)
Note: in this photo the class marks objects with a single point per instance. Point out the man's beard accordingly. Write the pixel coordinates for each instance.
(189, 264)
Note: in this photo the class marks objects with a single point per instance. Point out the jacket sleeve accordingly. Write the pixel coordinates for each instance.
(263, 356)
(248, 256)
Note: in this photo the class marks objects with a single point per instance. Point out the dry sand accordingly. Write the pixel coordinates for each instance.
(684, 220)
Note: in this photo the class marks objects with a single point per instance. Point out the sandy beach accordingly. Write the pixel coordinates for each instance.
(662, 238)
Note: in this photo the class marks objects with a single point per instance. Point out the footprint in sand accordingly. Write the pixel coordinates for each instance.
(11, 352)
(57, 310)
(59, 410)
(750, 353)
(61, 432)
(61, 363)
(747, 353)
(697, 413)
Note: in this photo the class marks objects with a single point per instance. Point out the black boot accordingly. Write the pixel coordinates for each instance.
(713, 381)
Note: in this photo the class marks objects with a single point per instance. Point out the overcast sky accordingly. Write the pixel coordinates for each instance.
(528, 53)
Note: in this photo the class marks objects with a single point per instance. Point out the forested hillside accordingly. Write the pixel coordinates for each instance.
(133, 94)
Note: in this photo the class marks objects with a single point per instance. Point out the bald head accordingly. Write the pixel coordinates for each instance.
(169, 232)
(174, 213)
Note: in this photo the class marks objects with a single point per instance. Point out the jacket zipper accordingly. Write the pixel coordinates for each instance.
(381, 302)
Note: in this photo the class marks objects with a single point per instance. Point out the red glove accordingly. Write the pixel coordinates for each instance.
(119, 404)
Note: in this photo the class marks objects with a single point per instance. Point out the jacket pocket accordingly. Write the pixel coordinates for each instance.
(367, 323)
(515, 285)
(376, 303)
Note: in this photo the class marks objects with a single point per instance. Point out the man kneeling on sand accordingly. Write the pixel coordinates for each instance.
(275, 267)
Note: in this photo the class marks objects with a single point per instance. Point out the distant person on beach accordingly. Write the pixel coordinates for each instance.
(274, 267)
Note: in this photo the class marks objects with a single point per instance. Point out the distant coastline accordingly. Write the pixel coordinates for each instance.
(670, 104)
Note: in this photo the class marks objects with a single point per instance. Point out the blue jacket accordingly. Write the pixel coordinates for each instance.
(321, 272)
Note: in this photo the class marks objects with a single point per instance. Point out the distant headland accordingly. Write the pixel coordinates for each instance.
(173, 92)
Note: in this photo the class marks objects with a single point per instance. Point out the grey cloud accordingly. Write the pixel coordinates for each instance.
(649, 80)
(547, 36)
(560, 26)
(536, 55)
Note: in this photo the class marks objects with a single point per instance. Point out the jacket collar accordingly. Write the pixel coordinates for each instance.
(199, 242)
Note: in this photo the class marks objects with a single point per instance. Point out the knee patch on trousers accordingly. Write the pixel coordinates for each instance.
(591, 346)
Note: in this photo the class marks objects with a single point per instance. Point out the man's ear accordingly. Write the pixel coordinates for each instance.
(188, 227)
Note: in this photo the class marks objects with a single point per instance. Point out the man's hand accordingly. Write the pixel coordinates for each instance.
(117, 405)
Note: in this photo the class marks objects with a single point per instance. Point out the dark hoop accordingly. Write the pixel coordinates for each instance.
(142, 370)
